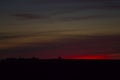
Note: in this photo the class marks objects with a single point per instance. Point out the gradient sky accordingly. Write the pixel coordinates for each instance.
(52, 28)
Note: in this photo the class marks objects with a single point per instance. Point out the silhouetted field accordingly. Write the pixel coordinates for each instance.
(55, 61)
(52, 68)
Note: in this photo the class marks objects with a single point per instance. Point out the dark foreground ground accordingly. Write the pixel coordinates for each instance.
(57, 68)
(35, 63)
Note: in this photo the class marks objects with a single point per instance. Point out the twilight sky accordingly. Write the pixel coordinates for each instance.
(52, 28)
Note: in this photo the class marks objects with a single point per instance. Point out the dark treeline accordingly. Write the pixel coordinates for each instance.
(57, 64)
(33, 59)
(56, 60)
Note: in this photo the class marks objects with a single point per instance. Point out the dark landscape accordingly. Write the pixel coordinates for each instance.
(56, 68)
(54, 39)
(49, 64)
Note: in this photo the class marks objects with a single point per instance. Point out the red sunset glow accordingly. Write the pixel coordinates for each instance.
(109, 56)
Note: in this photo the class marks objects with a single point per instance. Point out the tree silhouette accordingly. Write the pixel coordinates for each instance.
(60, 57)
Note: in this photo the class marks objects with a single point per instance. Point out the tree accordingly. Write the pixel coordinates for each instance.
(59, 57)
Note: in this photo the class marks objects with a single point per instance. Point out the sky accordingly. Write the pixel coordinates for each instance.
(52, 28)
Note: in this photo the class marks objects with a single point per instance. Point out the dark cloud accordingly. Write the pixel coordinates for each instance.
(29, 16)
(6, 36)
(74, 9)
(87, 17)
(58, 1)
(89, 45)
